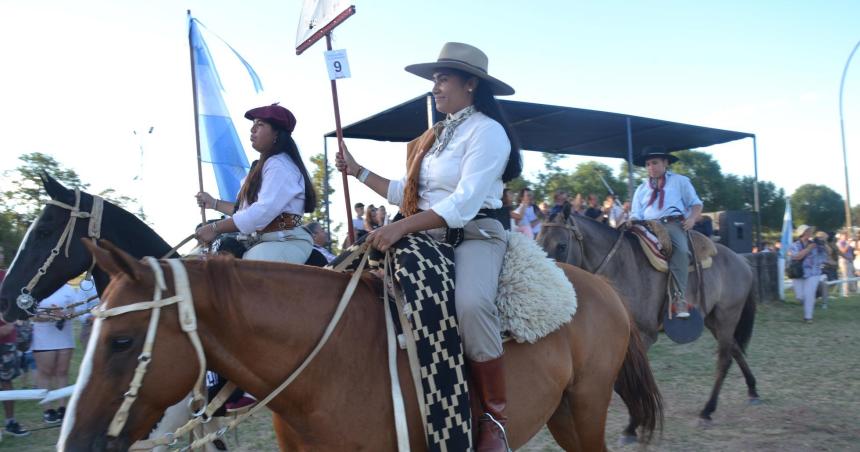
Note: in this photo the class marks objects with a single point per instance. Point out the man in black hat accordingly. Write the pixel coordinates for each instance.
(671, 199)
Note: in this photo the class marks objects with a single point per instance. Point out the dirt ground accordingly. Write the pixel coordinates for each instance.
(808, 378)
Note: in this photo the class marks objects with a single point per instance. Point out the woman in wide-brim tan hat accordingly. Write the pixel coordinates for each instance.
(810, 255)
(456, 173)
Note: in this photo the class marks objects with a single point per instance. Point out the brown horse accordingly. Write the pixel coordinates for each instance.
(258, 320)
(728, 290)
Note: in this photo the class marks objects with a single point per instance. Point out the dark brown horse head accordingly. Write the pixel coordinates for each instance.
(43, 235)
(112, 355)
(557, 237)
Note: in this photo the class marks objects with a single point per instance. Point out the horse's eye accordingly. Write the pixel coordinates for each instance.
(120, 344)
(562, 246)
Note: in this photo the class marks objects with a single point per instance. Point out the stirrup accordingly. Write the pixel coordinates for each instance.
(501, 429)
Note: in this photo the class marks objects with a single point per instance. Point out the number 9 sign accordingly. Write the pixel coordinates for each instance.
(337, 64)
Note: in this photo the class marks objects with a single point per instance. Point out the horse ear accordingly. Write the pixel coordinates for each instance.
(566, 210)
(54, 188)
(116, 261)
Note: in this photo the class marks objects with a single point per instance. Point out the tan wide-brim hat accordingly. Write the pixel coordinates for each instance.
(469, 59)
(802, 229)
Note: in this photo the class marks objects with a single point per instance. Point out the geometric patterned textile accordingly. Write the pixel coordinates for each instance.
(424, 270)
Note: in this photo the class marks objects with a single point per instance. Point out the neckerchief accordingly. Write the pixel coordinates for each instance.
(657, 189)
(443, 131)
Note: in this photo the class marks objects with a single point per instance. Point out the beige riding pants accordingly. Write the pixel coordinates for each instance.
(478, 263)
(293, 246)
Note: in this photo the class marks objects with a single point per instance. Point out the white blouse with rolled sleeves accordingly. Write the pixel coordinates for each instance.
(464, 177)
(282, 190)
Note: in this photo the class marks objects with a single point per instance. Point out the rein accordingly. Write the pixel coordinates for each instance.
(188, 320)
(26, 301)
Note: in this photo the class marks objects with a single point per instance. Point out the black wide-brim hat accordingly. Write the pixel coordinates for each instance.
(466, 58)
(650, 152)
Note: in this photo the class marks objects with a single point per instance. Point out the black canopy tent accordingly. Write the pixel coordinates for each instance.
(559, 130)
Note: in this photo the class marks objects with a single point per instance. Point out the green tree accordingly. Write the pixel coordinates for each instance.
(639, 175)
(323, 188)
(11, 235)
(771, 201)
(819, 206)
(27, 196)
(707, 178)
(586, 179)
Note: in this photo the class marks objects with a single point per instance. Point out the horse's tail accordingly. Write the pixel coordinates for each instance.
(637, 387)
(744, 328)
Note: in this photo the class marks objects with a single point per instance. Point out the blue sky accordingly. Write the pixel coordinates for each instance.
(80, 76)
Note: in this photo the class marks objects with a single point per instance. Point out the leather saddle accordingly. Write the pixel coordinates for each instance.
(657, 245)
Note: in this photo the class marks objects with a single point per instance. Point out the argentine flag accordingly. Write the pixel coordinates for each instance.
(219, 142)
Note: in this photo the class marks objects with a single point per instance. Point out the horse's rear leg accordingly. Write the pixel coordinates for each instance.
(741, 359)
(724, 361)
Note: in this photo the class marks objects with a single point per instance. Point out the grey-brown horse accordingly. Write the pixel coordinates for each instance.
(729, 307)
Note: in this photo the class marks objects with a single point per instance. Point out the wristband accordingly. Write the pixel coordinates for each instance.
(363, 174)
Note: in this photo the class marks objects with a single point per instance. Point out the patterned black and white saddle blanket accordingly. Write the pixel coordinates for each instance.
(534, 299)
(424, 271)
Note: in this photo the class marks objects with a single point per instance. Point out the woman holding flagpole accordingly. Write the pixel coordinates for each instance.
(455, 178)
(274, 195)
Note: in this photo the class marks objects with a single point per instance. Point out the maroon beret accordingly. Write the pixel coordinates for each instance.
(275, 115)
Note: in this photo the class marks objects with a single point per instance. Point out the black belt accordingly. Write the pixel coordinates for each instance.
(672, 219)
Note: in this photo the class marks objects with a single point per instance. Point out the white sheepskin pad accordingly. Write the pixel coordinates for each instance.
(535, 297)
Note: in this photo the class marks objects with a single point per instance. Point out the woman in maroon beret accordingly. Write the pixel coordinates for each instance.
(273, 196)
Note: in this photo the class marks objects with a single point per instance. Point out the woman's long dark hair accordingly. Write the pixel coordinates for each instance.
(487, 104)
(284, 145)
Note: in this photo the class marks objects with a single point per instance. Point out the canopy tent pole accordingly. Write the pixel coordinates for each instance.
(629, 161)
(325, 188)
(755, 194)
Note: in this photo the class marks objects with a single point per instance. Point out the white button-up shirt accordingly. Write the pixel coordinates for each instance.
(282, 190)
(464, 177)
(678, 199)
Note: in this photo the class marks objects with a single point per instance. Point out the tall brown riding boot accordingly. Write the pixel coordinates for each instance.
(489, 379)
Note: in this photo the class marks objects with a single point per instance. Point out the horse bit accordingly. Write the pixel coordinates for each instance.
(26, 301)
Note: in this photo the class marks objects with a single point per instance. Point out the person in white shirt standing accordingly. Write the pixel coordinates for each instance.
(53, 345)
(455, 178)
(671, 199)
(273, 196)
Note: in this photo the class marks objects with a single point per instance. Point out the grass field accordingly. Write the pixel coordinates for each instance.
(808, 379)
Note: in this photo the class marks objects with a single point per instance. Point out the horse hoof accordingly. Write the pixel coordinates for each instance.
(705, 423)
(755, 401)
(625, 440)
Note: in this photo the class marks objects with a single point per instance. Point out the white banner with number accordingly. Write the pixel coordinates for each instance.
(337, 64)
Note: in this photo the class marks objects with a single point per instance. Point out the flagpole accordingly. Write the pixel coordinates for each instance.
(339, 130)
(196, 118)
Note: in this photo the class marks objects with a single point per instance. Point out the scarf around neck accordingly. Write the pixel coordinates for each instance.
(657, 190)
(434, 140)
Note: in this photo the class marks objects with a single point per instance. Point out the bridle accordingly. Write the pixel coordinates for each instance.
(573, 230)
(25, 300)
(188, 322)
